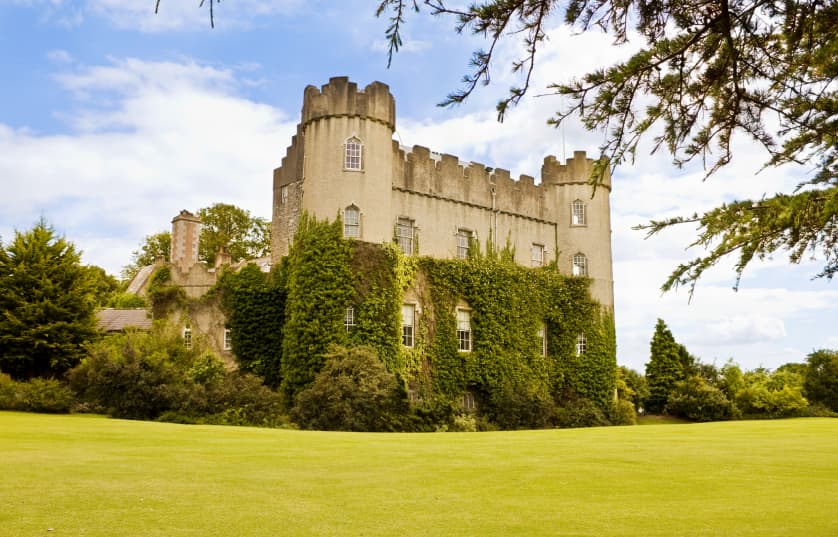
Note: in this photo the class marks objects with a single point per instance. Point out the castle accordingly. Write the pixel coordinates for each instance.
(343, 160)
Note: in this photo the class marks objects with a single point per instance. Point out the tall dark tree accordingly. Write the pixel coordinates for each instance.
(821, 380)
(47, 304)
(664, 368)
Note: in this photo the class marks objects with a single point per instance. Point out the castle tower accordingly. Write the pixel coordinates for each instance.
(342, 155)
(186, 230)
(584, 222)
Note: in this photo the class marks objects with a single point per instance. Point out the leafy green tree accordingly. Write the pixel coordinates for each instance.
(707, 70)
(631, 386)
(821, 379)
(153, 247)
(47, 304)
(234, 229)
(770, 395)
(106, 287)
(696, 399)
(664, 368)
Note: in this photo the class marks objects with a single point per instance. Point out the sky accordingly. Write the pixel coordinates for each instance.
(113, 119)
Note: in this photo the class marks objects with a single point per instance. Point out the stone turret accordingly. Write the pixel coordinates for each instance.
(186, 230)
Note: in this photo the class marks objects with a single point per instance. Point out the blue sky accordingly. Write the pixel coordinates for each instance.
(113, 119)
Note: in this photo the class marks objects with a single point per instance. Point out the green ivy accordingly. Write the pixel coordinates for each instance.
(162, 294)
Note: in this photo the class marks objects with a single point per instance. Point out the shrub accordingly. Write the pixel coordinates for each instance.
(695, 399)
(622, 412)
(821, 381)
(35, 395)
(521, 406)
(581, 413)
(353, 392)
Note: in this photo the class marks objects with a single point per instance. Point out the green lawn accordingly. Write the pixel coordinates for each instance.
(91, 476)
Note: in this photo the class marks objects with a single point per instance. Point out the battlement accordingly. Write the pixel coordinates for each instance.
(422, 171)
(340, 98)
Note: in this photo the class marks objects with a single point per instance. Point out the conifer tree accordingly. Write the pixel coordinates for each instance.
(664, 368)
(47, 304)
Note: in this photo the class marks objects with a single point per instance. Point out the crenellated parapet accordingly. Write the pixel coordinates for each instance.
(341, 98)
(577, 170)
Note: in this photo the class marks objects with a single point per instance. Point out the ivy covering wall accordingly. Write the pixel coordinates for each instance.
(285, 323)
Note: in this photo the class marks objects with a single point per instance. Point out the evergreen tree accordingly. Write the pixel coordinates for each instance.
(47, 304)
(821, 379)
(664, 368)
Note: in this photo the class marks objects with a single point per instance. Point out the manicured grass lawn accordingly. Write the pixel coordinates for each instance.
(91, 476)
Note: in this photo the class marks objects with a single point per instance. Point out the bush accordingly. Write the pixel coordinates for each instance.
(696, 400)
(622, 412)
(821, 381)
(581, 413)
(35, 395)
(521, 406)
(353, 392)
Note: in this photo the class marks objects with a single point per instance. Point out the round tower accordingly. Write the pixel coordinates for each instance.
(584, 217)
(348, 156)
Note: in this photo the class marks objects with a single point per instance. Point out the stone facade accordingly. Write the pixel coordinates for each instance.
(343, 160)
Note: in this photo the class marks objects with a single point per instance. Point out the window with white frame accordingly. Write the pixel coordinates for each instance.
(537, 255)
(581, 344)
(578, 216)
(187, 337)
(463, 330)
(228, 342)
(468, 402)
(580, 265)
(352, 222)
(408, 324)
(404, 235)
(542, 339)
(464, 237)
(353, 150)
(349, 318)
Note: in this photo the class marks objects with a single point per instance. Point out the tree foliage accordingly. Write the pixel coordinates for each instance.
(153, 247)
(821, 379)
(234, 229)
(664, 368)
(47, 304)
(706, 71)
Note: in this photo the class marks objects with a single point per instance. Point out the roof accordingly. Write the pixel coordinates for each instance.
(116, 319)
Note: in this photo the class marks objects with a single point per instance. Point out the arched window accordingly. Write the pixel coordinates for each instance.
(580, 265)
(353, 151)
(578, 216)
(352, 222)
(581, 344)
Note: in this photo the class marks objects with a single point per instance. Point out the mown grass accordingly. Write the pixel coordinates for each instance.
(82, 475)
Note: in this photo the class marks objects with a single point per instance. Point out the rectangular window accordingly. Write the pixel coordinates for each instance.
(404, 235)
(349, 318)
(537, 255)
(352, 222)
(468, 402)
(580, 265)
(542, 339)
(228, 343)
(187, 337)
(463, 330)
(464, 237)
(578, 213)
(408, 324)
(352, 158)
(581, 344)
(283, 194)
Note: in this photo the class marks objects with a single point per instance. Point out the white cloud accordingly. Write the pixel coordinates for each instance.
(174, 136)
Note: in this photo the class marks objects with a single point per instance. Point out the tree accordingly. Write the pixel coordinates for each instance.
(821, 378)
(226, 226)
(664, 368)
(106, 286)
(153, 247)
(47, 304)
(707, 70)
